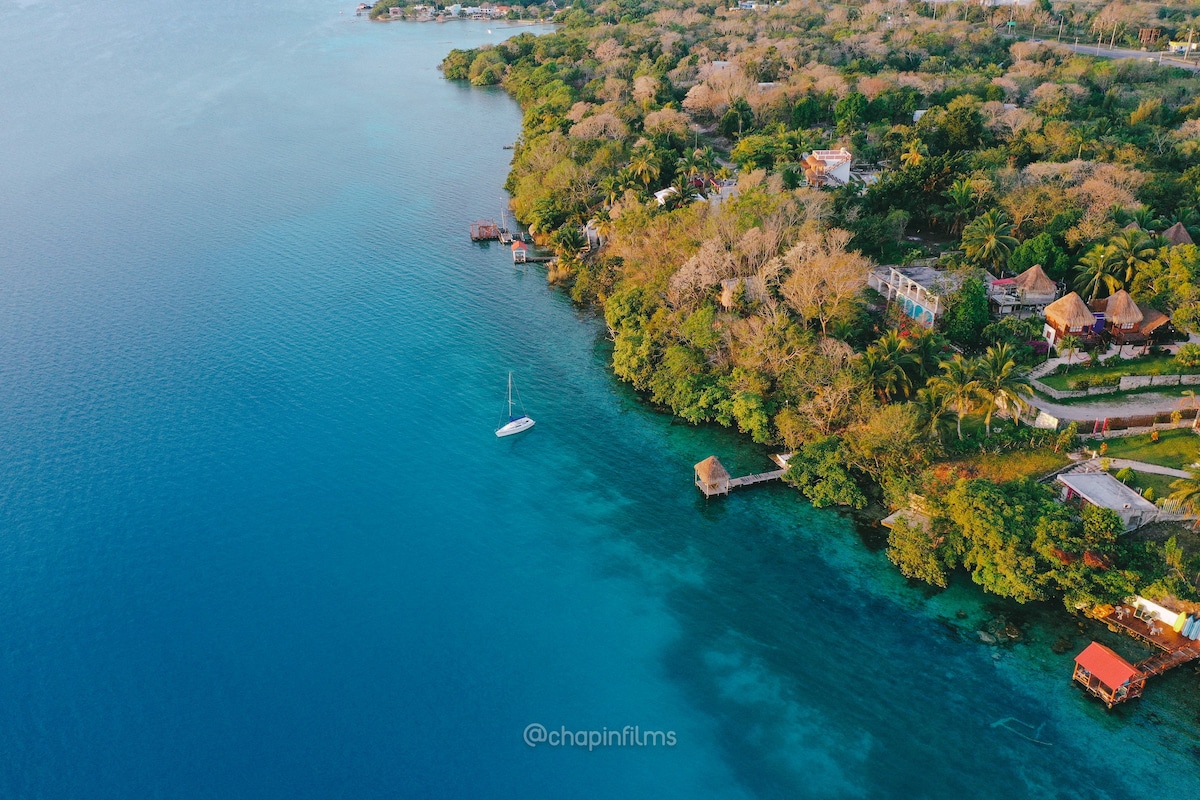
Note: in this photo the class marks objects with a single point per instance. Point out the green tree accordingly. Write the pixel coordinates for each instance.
(966, 313)
(962, 201)
(915, 551)
(959, 384)
(819, 471)
(1095, 275)
(988, 239)
(850, 112)
(1003, 385)
(999, 524)
(1131, 249)
(886, 365)
(1069, 346)
(1041, 249)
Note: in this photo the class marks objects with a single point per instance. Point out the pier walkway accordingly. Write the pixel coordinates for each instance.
(758, 477)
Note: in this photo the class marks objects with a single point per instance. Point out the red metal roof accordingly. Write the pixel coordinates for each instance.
(1112, 670)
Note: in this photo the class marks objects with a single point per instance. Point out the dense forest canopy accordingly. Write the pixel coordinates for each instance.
(736, 293)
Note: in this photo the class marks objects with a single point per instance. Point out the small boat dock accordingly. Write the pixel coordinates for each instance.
(1114, 680)
(488, 230)
(713, 479)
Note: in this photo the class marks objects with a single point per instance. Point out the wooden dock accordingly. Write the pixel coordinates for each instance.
(486, 230)
(712, 477)
(758, 477)
(1176, 649)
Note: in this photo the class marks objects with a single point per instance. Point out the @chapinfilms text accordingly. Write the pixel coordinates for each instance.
(630, 736)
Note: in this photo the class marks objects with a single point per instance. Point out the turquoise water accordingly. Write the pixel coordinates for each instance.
(257, 538)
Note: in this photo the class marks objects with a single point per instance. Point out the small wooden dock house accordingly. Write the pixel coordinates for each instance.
(1108, 676)
(712, 477)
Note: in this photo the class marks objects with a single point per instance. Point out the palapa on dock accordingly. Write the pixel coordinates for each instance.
(712, 477)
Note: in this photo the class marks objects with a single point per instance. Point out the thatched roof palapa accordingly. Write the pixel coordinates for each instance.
(1070, 311)
(1152, 319)
(1121, 310)
(1035, 281)
(1177, 235)
(711, 470)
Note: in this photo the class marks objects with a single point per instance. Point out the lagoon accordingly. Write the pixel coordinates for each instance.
(257, 538)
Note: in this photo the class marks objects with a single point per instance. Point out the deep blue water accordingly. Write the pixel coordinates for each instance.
(257, 538)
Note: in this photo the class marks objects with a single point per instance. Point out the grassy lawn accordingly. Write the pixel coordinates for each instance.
(1001, 467)
(1176, 448)
(1114, 369)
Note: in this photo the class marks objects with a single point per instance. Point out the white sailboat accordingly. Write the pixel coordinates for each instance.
(516, 423)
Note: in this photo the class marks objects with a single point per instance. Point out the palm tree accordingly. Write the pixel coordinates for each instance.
(926, 350)
(988, 239)
(644, 165)
(935, 410)
(1082, 133)
(1003, 384)
(687, 165)
(1132, 249)
(1147, 220)
(611, 188)
(914, 155)
(1069, 344)
(962, 203)
(1187, 492)
(1095, 273)
(885, 364)
(958, 384)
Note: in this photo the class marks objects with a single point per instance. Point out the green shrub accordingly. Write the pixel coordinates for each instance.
(1188, 355)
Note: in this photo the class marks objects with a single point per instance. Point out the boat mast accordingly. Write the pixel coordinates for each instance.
(510, 395)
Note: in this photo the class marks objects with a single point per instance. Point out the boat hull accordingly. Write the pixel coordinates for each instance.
(518, 425)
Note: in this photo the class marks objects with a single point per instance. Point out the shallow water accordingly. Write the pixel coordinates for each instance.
(257, 538)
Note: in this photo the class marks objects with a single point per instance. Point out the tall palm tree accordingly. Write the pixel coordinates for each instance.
(898, 350)
(687, 164)
(926, 350)
(1096, 273)
(1187, 492)
(988, 239)
(935, 410)
(1083, 134)
(644, 165)
(885, 364)
(1003, 384)
(1069, 345)
(914, 154)
(959, 385)
(962, 203)
(1132, 249)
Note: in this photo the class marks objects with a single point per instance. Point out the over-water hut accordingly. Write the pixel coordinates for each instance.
(1108, 676)
(1069, 315)
(712, 477)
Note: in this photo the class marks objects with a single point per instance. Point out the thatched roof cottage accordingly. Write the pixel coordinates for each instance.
(1025, 295)
(1069, 315)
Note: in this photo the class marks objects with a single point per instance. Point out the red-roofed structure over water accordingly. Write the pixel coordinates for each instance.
(1107, 675)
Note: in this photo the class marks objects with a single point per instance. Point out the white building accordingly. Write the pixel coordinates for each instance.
(1103, 490)
(921, 291)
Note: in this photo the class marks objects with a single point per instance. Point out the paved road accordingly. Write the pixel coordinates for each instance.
(1142, 466)
(1130, 405)
(1105, 52)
